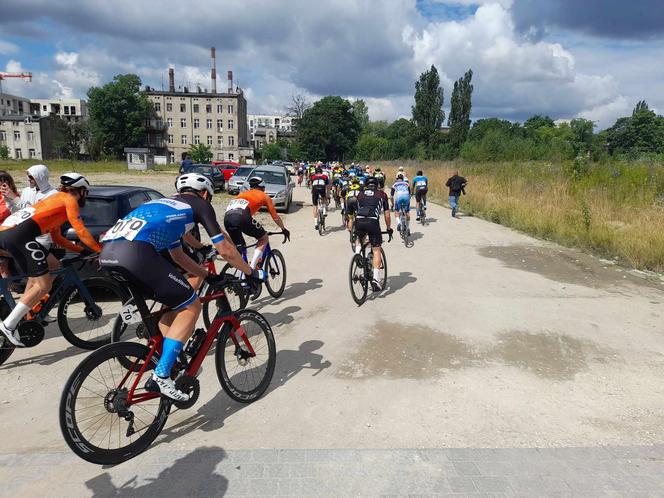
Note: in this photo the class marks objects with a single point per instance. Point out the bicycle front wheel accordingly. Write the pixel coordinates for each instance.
(235, 295)
(89, 325)
(245, 376)
(357, 277)
(96, 420)
(275, 267)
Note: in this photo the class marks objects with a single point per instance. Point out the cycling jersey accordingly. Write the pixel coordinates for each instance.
(420, 182)
(320, 180)
(399, 188)
(353, 191)
(371, 203)
(253, 200)
(162, 222)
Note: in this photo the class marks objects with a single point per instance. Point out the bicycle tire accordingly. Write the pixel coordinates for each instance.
(357, 262)
(383, 268)
(105, 289)
(228, 380)
(81, 444)
(275, 262)
(6, 347)
(211, 307)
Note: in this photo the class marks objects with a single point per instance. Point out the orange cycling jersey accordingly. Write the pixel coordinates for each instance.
(51, 213)
(257, 199)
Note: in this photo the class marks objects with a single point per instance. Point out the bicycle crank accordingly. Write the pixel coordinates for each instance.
(188, 385)
(31, 333)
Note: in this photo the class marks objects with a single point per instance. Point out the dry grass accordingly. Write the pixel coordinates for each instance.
(63, 165)
(613, 210)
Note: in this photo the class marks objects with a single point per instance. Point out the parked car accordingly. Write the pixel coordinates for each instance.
(212, 172)
(228, 168)
(278, 185)
(238, 178)
(290, 167)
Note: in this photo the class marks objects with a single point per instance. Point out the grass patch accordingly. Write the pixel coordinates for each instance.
(63, 166)
(615, 210)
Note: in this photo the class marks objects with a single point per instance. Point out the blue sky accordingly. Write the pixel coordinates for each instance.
(592, 59)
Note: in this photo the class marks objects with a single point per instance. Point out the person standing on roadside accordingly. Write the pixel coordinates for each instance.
(38, 188)
(457, 185)
(185, 164)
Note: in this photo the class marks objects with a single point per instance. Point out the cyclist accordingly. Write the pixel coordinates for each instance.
(421, 187)
(132, 246)
(20, 241)
(354, 189)
(300, 174)
(380, 176)
(311, 171)
(370, 203)
(400, 198)
(401, 172)
(239, 218)
(320, 186)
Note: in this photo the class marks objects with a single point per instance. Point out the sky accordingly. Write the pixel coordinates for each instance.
(565, 58)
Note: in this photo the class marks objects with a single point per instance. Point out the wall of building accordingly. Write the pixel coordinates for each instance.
(27, 138)
(72, 110)
(11, 105)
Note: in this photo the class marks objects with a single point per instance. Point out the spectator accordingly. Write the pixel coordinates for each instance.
(186, 163)
(38, 189)
(7, 188)
(457, 185)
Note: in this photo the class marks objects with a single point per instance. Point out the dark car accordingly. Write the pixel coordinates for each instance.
(215, 174)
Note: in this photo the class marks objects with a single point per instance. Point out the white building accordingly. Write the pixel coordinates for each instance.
(281, 123)
(11, 105)
(71, 110)
(27, 137)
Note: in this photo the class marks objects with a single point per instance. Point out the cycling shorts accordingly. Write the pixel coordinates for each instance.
(240, 221)
(163, 281)
(29, 255)
(421, 194)
(402, 202)
(316, 193)
(371, 228)
(351, 206)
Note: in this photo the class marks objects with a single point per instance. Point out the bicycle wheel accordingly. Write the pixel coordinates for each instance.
(383, 268)
(244, 377)
(94, 413)
(275, 267)
(90, 325)
(235, 294)
(6, 347)
(357, 278)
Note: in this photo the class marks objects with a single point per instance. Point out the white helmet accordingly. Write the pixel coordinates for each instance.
(74, 180)
(193, 181)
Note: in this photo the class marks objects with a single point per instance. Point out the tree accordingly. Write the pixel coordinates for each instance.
(461, 104)
(4, 152)
(117, 114)
(583, 130)
(641, 105)
(361, 113)
(428, 114)
(200, 153)
(402, 139)
(328, 130)
(69, 138)
(536, 122)
(271, 152)
(297, 106)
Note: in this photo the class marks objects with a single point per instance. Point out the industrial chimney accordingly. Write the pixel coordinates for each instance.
(171, 80)
(230, 81)
(213, 71)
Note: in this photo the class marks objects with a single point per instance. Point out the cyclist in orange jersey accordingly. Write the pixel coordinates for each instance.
(239, 218)
(19, 240)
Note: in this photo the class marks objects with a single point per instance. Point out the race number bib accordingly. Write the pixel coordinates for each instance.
(129, 314)
(319, 182)
(421, 183)
(125, 229)
(237, 204)
(19, 217)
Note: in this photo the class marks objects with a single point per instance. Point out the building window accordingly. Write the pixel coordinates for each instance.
(230, 124)
(209, 139)
(231, 157)
(208, 124)
(157, 106)
(169, 107)
(220, 108)
(220, 124)
(220, 141)
(31, 136)
(183, 107)
(66, 110)
(197, 123)
(44, 108)
(160, 123)
(72, 110)
(183, 139)
(251, 123)
(17, 136)
(231, 141)
(159, 141)
(183, 122)
(208, 107)
(169, 122)
(3, 136)
(196, 107)
(18, 154)
(32, 153)
(170, 139)
(171, 157)
(197, 139)
(230, 109)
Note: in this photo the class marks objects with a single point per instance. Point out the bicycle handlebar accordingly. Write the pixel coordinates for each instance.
(390, 235)
(286, 237)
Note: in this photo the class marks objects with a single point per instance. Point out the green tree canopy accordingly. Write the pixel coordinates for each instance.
(459, 121)
(428, 114)
(271, 152)
(201, 153)
(361, 113)
(536, 122)
(117, 114)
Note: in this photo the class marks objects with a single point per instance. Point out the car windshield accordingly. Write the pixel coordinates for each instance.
(203, 170)
(242, 171)
(272, 177)
(99, 211)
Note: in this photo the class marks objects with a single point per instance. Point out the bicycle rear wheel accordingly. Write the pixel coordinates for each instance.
(90, 325)
(357, 278)
(6, 347)
(275, 267)
(94, 411)
(245, 377)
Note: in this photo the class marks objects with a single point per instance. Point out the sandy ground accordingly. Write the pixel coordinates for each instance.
(484, 338)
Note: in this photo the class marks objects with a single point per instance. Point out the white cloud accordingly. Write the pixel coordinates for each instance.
(68, 59)
(7, 48)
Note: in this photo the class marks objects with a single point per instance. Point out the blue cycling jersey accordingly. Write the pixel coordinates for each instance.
(420, 182)
(400, 188)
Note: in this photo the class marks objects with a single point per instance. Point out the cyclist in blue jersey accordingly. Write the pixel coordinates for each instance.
(132, 246)
(400, 197)
(420, 187)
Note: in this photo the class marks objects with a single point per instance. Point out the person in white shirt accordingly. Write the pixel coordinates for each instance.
(39, 188)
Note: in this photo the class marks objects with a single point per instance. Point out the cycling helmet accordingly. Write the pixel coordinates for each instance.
(355, 181)
(400, 168)
(194, 182)
(371, 183)
(256, 182)
(400, 176)
(319, 170)
(74, 180)
(377, 170)
(344, 173)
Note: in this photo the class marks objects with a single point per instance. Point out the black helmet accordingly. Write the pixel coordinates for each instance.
(256, 182)
(371, 183)
(419, 172)
(319, 170)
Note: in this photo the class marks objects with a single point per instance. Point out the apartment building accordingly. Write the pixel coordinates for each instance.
(27, 137)
(11, 105)
(263, 121)
(70, 110)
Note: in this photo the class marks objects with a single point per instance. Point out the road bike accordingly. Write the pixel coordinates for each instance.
(422, 211)
(321, 215)
(86, 308)
(403, 226)
(361, 272)
(337, 198)
(107, 415)
(272, 262)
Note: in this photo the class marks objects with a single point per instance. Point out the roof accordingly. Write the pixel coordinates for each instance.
(113, 190)
(208, 95)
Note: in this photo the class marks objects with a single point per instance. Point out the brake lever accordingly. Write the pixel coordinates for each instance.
(286, 238)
